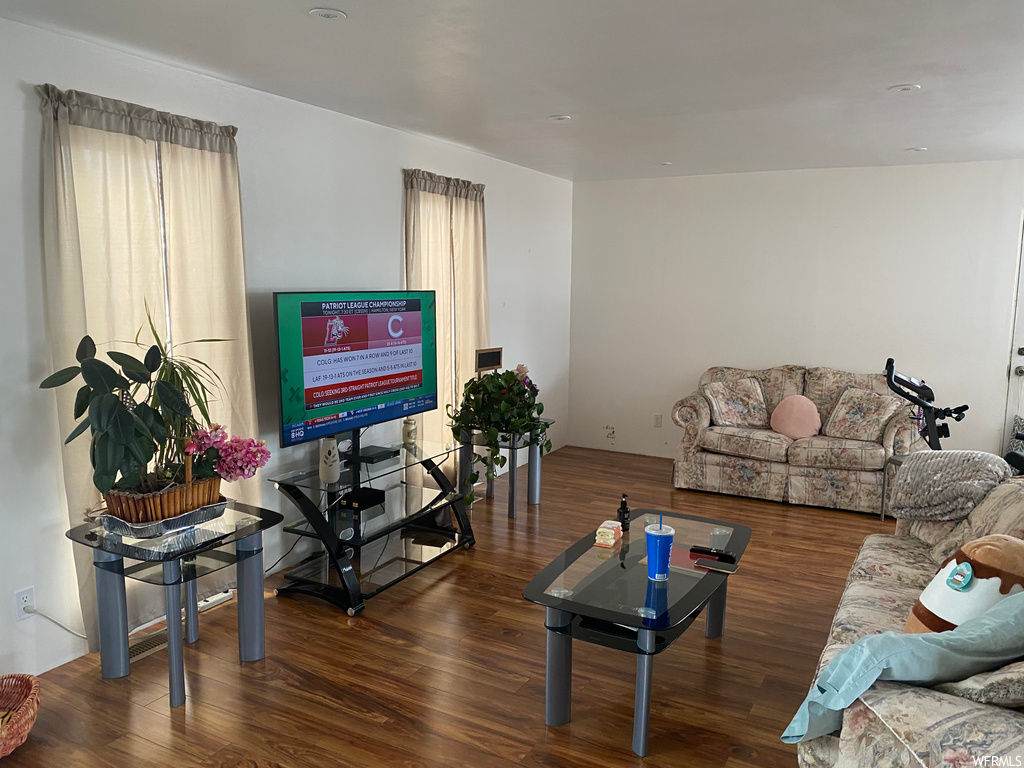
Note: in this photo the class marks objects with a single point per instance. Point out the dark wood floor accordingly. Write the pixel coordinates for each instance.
(447, 668)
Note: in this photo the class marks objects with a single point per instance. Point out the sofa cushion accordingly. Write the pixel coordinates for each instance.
(737, 403)
(796, 416)
(871, 607)
(825, 385)
(861, 414)
(779, 382)
(745, 441)
(894, 559)
(944, 730)
(1003, 687)
(836, 453)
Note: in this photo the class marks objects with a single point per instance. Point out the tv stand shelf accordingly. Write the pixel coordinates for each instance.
(365, 551)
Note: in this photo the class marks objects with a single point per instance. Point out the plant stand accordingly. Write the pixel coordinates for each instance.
(513, 446)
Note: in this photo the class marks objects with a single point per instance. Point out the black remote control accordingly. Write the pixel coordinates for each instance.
(717, 566)
(721, 554)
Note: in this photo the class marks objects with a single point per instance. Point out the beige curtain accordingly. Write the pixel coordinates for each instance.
(141, 208)
(446, 251)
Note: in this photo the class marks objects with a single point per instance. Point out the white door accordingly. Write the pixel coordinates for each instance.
(1015, 370)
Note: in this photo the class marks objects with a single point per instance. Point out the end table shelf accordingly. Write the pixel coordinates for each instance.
(365, 551)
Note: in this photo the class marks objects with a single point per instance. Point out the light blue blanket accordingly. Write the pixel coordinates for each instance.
(987, 642)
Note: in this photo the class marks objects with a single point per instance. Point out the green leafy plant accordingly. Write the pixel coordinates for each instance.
(139, 414)
(500, 406)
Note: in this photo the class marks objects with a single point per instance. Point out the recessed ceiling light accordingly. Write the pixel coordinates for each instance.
(905, 87)
(916, 149)
(560, 118)
(328, 13)
(666, 163)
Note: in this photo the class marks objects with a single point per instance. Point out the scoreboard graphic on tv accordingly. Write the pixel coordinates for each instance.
(351, 350)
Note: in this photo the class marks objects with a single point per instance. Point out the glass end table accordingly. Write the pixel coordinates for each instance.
(173, 561)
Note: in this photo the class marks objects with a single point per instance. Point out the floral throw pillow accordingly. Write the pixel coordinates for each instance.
(861, 414)
(738, 403)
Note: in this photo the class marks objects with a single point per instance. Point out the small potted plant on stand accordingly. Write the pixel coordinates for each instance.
(500, 407)
(151, 458)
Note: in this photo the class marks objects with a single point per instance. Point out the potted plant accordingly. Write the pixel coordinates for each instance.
(501, 406)
(152, 459)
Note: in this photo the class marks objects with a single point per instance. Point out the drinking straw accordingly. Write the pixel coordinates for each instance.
(661, 523)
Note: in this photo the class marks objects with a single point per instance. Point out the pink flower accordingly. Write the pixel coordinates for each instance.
(204, 439)
(240, 457)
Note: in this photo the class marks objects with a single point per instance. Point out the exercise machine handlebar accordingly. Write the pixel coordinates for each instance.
(920, 394)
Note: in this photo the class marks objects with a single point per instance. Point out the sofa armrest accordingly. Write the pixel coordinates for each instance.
(901, 437)
(941, 729)
(693, 414)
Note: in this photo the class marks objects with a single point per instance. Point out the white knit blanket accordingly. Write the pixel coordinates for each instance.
(945, 485)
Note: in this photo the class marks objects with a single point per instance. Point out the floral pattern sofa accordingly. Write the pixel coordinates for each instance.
(818, 471)
(895, 724)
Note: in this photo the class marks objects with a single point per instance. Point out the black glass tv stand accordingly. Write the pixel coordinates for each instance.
(367, 549)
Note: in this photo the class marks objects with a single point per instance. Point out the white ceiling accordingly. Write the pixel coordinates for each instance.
(712, 86)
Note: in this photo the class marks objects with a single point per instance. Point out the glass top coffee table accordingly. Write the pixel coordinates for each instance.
(603, 596)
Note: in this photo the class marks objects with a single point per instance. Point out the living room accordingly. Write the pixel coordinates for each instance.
(617, 285)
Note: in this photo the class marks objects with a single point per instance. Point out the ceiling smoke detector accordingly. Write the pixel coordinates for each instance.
(905, 87)
(560, 118)
(916, 149)
(667, 163)
(327, 13)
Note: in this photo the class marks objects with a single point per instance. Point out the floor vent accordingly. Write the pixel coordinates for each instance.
(147, 645)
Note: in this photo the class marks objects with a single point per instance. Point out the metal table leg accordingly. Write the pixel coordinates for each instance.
(533, 478)
(175, 652)
(112, 607)
(714, 622)
(642, 703)
(249, 574)
(512, 451)
(558, 674)
(465, 463)
(191, 611)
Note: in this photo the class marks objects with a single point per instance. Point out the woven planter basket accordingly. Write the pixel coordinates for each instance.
(19, 705)
(176, 500)
(136, 508)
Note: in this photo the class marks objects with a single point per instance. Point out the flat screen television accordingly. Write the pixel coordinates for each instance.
(350, 359)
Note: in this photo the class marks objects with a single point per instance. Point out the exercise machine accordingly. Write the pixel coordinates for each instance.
(921, 395)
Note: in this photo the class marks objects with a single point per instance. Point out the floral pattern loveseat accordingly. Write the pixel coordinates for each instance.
(818, 471)
(977, 721)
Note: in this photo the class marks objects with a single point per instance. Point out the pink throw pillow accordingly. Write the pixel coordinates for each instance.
(796, 417)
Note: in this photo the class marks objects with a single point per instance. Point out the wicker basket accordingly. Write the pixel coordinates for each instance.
(176, 500)
(19, 698)
(136, 508)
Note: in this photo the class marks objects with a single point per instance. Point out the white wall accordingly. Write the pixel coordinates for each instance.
(322, 206)
(842, 268)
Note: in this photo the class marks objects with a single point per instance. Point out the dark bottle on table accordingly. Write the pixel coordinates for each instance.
(623, 514)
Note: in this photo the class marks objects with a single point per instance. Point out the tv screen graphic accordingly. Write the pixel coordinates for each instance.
(352, 359)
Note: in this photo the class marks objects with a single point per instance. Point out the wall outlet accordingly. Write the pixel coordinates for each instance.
(23, 599)
(657, 420)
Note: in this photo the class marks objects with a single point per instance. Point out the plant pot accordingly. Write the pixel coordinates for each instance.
(172, 501)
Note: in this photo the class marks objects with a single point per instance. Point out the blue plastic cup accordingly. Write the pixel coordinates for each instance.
(659, 550)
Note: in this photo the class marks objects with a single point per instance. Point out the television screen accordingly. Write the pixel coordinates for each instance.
(352, 359)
